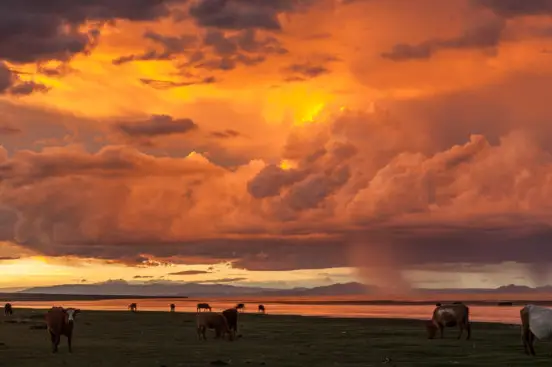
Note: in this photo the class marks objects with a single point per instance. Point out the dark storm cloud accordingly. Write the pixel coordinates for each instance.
(50, 30)
(157, 125)
(487, 36)
(243, 14)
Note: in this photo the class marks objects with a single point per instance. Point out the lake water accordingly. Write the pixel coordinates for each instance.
(508, 315)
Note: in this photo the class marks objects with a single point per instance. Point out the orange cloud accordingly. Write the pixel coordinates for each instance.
(211, 131)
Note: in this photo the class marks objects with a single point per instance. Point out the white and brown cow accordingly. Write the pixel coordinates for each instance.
(60, 321)
(212, 320)
(449, 315)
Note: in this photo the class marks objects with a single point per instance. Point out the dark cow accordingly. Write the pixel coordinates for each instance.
(449, 315)
(262, 309)
(203, 306)
(133, 307)
(60, 321)
(240, 307)
(231, 316)
(8, 309)
(173, 306)
(214, 321)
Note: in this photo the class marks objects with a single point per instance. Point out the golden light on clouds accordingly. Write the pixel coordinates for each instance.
(263, 135)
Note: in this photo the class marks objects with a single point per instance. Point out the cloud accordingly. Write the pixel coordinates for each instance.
(142, 277)
(424, 177)
(214, 49)
(516, 8)
(486, 36)
(190, 272)
(9, 130)
(171, 46)
(26, 167)
(228, 133)
(243, 14)
(55, 33)
(9, 258)
(157, 125)
(10, 83)
(223, 280)
(309, 69)
(167, 84)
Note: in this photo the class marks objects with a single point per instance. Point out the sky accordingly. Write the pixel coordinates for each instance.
(276, 143)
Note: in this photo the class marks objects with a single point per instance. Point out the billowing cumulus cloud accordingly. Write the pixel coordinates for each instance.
(184, 152)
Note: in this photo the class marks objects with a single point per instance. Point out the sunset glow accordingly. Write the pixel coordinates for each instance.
(284, 144)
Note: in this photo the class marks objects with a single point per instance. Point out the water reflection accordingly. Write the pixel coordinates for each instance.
(477, 313)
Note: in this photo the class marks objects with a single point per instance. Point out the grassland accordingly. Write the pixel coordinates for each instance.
(157, 339)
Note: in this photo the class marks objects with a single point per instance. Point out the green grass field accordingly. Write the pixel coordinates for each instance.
(157, 339)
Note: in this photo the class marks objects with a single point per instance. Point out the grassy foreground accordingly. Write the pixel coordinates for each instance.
(157, 339)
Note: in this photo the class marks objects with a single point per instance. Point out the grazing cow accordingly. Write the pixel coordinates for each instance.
(231, 316)
(133, 307)
(240, 306)
(215, 321)
(203, 306)
(60, 321)
(536, 323)
(8, 310)
(449, 315)
(173, 306)
(262, 308)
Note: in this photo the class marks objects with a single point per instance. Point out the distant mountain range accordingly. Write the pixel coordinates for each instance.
(179, 289)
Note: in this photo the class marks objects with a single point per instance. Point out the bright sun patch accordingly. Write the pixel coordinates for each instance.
(312, 114)
(287, 165)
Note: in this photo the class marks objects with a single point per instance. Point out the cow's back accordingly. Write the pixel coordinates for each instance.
(55, 320)
(451, 313)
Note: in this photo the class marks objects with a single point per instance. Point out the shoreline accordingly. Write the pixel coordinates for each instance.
(34, 310)
(25, 311)
(40, 297)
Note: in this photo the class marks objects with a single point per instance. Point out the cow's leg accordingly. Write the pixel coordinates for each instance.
(441, 330)
(531, 342)
(69, 337)
(525, 343)
(55, 341)
(460, 329)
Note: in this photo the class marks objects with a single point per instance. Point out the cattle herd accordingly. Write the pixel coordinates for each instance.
(536, 322)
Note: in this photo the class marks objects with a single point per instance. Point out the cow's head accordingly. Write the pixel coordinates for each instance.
(72, 313)
(431, 329)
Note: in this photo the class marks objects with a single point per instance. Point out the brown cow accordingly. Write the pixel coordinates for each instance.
(133, 307)
(8, 309)
(449, 315)
(262, 309)
(215, 321)
(60, 322)
(173, 306)
(231, 316)
(240, 306)
(203, 306)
